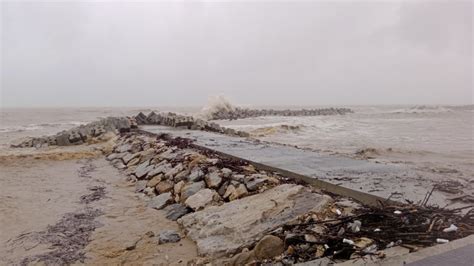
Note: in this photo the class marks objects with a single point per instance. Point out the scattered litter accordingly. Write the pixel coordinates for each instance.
(397, 212)
(355, 226)
(377, 230)
(451, 228)
(442, 241)
(338, 212)
(348, 241)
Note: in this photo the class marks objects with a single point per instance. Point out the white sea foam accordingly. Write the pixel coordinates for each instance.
(215, 104)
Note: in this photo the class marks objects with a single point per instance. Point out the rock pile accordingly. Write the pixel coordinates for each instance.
(240, 113)
(229, 208)
(81, 134)
(183, 179)
(183, 121)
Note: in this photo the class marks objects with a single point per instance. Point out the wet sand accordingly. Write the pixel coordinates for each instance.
(45, 197)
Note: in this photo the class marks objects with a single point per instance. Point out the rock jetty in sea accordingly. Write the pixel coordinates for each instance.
(81, 134)
(240, 113)
(183, 121)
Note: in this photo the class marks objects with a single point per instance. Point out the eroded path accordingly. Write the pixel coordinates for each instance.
(79, 211)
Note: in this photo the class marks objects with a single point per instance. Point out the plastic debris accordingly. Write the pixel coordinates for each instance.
(377, 230)
(397, 212)
(442, 241)
(338, 212)
(348, 241)
(355, 226)
(451, 228)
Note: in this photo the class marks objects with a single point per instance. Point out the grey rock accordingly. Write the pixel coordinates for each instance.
(191, 189)
(140, 185)
(124, 148)
(160, 169)
(127, 158)
(160, 201)
(63, 139)
(196, 174)
(213, 179)
(168, 236)
(143, 169)
(171, 173)
(202, 198)
(255, 181)
(176, 211)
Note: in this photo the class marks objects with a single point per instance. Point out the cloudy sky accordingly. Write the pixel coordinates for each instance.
(175, 53)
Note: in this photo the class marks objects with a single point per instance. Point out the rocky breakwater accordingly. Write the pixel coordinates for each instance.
(238, 214)
(240, 113)
(183, 121)
(224, 205)
(92, 132)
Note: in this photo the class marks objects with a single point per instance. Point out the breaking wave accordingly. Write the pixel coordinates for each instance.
(215, 105)
(423, 109)
(278, 129)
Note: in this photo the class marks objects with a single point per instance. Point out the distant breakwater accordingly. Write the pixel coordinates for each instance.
(241, 113)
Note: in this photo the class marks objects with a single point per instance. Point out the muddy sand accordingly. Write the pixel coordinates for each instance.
(69, 205)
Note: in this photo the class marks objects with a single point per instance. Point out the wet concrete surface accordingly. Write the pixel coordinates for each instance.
(397, 181)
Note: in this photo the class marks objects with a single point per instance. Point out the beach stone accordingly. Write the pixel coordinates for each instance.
(196, 174)
(133, 162)
(223, 189)
(171, 173)
(127, 158)
(178, 187)
(229, 191)
(114, 156)
(168, 236)
(239, 192)
(160, 201)
(191, 189)
(143, 169)
(149, 191)
(213, 180)
(224, 229)
(202, 198)
(255, 181)
(176, 211)
(269, 247)
(181, 176)
(123, 148)
(62, 139)
(238, 178)
(164, 186)
(154, 181)
(244, 258)
(226, 172)
(140, 185)
(160, 169)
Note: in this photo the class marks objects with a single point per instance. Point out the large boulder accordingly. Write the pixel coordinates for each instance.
(202, 198)
(225, 229)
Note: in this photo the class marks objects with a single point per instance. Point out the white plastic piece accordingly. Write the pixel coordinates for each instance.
(391, 244)
(397, 212)
(442, 241)
(326, 246)
(348, 241)
(377, 230)
(355, 226)
(451, 228)
(338, 212)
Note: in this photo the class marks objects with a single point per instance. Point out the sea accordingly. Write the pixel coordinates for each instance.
(437, 137)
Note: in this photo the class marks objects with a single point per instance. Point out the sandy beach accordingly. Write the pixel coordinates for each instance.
(44, 191)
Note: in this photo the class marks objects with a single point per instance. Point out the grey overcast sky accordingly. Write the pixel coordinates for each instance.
(179, 53)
